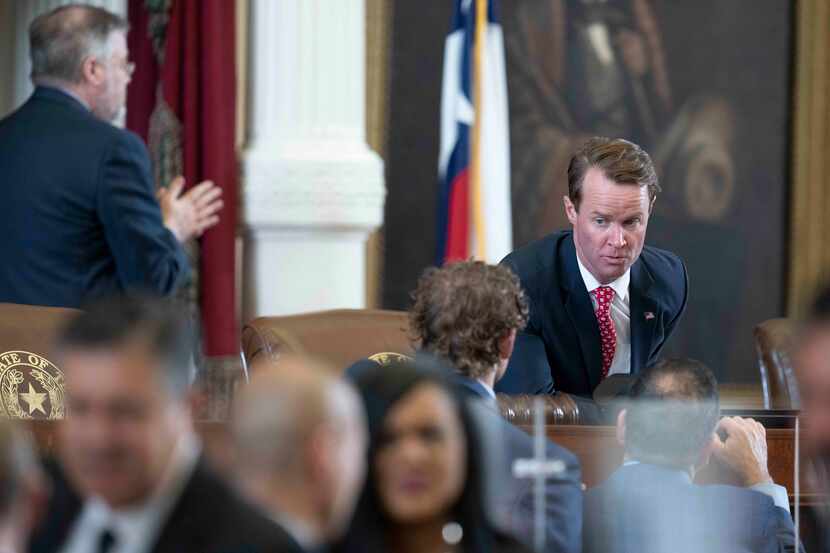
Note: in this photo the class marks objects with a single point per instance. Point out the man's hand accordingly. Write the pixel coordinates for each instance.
(744, 450)
(189, 215)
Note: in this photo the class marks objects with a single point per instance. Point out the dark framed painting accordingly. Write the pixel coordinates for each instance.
(704, 86)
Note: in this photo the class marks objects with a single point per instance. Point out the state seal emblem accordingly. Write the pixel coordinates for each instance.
(31, 386)
(388, 357)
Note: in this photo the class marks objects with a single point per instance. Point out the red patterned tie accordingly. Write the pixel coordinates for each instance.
(604, 295)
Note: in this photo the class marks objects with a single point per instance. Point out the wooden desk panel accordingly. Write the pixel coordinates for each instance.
(600, 454)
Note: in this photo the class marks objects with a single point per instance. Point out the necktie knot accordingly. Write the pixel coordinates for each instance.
(604, 296)
(106, 541)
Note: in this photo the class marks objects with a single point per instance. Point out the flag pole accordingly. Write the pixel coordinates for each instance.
(475, 144)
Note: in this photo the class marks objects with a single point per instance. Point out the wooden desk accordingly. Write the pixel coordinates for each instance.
(600, 454)
(595, 446)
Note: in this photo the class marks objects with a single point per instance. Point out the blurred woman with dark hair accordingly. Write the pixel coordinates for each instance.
(425, 489)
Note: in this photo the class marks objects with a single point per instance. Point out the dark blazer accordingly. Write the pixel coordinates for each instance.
(79, 211)
(209, 517)
(648, 508)
(514, 496)
(560, 348)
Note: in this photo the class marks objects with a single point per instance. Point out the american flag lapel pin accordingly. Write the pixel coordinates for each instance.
(649, 315)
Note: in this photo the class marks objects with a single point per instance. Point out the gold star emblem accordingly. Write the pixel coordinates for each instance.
(34, 399)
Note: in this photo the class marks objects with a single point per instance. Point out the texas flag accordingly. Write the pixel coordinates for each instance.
(474, 163)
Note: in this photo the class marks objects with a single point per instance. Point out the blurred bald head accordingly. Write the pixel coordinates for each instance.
(300, 436)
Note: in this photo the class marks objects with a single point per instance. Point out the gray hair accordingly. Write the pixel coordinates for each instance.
(60, 40)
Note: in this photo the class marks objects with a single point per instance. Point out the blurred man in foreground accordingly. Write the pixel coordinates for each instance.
(812, 364)
(650, 504)
(301, 438)
(134, 480)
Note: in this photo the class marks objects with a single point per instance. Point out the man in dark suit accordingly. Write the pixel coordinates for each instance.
(300, 435)
(78, 204)
(601, 302)
(468, 314)
(651, 504)
(131, 475)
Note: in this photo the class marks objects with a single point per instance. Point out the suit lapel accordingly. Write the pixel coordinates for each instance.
(581, 312)
(644, 315)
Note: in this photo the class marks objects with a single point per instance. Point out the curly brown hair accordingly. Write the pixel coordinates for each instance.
(463, 309)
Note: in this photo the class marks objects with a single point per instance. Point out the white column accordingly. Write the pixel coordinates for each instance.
(312, 189)
(25, 11)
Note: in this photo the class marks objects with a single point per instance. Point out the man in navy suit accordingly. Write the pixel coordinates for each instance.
(79, 210)
(601, 302)
(651, 504)
(468, 314)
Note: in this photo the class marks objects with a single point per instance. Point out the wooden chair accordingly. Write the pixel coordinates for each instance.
(773, 344)
(344, 336)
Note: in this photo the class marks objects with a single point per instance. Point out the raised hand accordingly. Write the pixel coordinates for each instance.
(744, 449)
(190, 214)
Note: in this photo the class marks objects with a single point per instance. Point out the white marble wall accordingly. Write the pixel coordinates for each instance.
(7, 37)
(312, 189)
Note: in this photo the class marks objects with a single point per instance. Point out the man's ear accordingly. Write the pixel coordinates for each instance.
(92, 71)
(570, 209)
(506, 344)
(621, 428)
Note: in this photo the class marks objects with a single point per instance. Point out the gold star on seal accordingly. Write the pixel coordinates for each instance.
(34, 399)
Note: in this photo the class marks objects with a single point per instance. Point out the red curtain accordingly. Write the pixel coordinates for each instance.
(198, 83)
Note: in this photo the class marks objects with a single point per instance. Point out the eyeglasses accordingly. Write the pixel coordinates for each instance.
(127, 67)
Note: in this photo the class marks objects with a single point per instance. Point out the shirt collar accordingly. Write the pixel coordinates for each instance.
(136, 523)
(628, 462)
(302, 532)
(620, 285)
(490, 392)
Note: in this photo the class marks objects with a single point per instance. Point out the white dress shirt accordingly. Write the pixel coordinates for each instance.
(136, 529)
(620, 315)
(303, 533)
